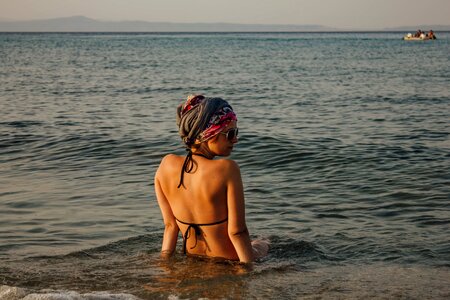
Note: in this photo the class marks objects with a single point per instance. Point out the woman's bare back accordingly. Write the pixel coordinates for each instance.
(202, 199)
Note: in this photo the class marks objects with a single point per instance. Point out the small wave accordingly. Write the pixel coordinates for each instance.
(11, 141)
(413, 99)
(429, 220)
(17, 293)
(22, 124)
(289, 248)
(149, 243)
(75, 151)
(331, 215)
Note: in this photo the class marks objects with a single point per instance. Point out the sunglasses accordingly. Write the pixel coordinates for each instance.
(231, 134)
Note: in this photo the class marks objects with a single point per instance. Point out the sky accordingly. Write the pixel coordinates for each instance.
(345, 14)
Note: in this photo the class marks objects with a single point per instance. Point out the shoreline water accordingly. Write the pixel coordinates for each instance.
(378, 281)
(133, 268)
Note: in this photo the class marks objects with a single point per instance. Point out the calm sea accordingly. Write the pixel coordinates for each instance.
(344, 152)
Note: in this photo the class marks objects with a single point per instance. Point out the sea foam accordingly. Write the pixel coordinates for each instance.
(16, 293)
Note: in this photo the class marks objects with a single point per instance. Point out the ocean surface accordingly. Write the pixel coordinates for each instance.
(344, 152)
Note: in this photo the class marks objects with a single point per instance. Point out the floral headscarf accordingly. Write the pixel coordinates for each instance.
(201, 118)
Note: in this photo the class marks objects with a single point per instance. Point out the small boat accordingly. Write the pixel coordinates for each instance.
(422, 37)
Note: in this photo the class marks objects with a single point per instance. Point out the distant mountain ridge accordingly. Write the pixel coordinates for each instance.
(423, 27)
(84, 24)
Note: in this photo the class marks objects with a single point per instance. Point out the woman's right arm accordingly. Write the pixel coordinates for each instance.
(170, 226)
(237, 228)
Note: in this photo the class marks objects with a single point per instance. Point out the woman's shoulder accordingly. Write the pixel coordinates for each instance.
(227, 164)
(170, 158)
(168, 162)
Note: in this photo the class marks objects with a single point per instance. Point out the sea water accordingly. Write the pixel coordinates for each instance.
(344, 153)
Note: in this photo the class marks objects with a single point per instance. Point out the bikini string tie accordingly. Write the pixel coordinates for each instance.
(188, 165)
(187, 234)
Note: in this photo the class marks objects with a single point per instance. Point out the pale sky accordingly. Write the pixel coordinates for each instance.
(362, 14)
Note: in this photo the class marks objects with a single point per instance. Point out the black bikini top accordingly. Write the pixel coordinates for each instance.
(197, 229)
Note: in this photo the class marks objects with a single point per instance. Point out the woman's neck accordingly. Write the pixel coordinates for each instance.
(203, 151)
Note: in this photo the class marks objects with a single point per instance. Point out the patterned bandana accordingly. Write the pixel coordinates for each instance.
(221, 119)
(192, 102)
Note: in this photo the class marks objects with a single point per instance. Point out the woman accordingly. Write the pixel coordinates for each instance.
(201, 196)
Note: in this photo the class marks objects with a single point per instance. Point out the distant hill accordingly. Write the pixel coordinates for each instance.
(83, 24)
(422, 27)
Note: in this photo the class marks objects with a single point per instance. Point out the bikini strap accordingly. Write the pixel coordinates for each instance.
(188, 165)
(205, 224)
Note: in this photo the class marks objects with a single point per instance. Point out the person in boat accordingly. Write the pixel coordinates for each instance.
(202, 196)
(431, 35)
(418, 33)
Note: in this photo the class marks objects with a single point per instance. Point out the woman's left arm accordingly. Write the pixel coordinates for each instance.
(237, 229)
(170, 226)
